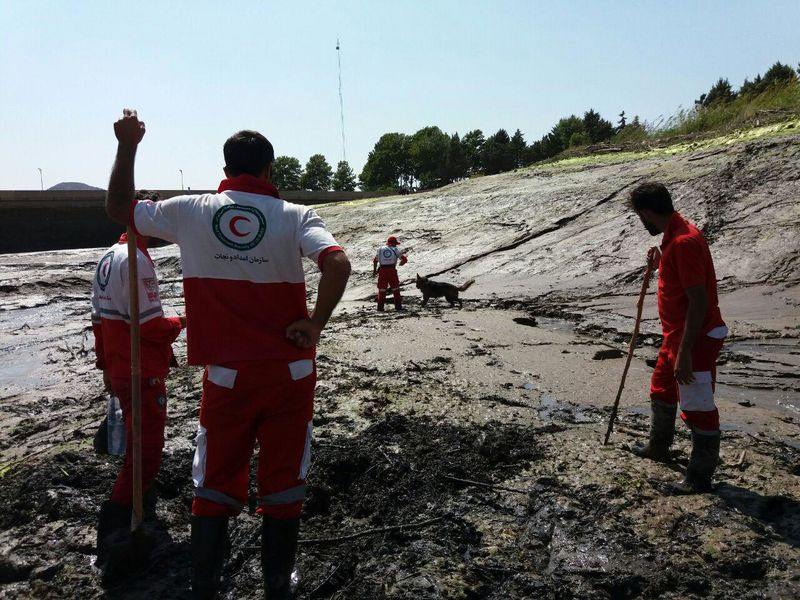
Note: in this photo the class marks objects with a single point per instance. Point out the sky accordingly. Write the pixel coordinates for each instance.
(199, 71)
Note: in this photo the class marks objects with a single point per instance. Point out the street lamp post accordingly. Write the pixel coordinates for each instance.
(41, 179)
(181, 172)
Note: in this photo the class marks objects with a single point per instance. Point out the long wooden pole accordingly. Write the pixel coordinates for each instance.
(136, 379)
(648, 271)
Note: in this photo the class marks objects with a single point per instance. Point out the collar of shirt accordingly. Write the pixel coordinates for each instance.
(123, 239)
(250, 184)
(675, 222)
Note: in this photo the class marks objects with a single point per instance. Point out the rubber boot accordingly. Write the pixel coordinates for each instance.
(381, 300)
(209, 547)
(702, 464)
(278, 553)
(398, 301)
(662, 432)
(113, 518)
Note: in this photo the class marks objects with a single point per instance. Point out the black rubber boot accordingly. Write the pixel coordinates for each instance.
(702, 464)
(113, 518)
(380, 307)
(662, 432)
(278, 553)
(209, 547)
(398, 306)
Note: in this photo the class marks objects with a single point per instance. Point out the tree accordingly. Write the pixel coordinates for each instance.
(388, 164)
(579, 138)
(517, 148)
(720, 93)
(456, 165)
(621, 122)
(534, 153)
(563, 132)
(748, 87)
(286, 173)
(317, 176)
(496, 153)
(473, 145)
(597, 128)
(427, 150)
(779, 74)
(344, 180)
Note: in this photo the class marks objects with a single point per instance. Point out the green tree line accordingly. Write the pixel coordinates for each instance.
(287, 174)
(432, 158)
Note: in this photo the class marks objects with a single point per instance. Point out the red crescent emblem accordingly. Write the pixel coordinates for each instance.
(232, 226)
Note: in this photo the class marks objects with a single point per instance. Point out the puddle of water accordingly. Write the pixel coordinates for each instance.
(784, 401)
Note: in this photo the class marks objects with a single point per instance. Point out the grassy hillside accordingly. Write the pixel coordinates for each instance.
(777, 103)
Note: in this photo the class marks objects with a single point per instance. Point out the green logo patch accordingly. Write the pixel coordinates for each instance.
(239, 227)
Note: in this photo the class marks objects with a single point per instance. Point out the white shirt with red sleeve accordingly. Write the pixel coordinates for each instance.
(111, 316)
(241, 253)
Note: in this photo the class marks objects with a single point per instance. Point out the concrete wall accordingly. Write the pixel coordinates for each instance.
(32, 221)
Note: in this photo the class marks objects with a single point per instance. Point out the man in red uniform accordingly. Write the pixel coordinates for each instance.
(111, 327)
(248, 324)
(384, 265)
(693, 332)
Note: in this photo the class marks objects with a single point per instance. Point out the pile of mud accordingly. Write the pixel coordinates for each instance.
(411, 508)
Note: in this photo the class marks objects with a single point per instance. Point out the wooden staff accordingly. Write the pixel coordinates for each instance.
(648, 271)
(136, 379)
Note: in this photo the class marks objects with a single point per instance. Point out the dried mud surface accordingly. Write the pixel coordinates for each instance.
(458, 453)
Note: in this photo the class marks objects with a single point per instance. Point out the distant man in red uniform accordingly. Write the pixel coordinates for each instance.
(111, 327)
(693, 330)
(384, 265)
(242, 252)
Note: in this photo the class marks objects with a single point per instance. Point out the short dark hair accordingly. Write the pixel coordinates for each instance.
(148, 195)
(651, 196)
(247, 152)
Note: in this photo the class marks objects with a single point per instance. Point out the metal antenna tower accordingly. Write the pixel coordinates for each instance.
(341, 102)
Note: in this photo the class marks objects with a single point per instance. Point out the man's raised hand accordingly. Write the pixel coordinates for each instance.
(129, 129)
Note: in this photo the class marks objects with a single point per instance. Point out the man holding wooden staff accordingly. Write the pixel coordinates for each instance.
(693, 332)
(248, 324)
(111, 317)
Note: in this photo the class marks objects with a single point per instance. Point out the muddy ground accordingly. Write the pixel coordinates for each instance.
(458, 452)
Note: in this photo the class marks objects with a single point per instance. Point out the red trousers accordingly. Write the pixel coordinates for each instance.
(387, 278)
(269, 402)
(154, 418)
(697, 399)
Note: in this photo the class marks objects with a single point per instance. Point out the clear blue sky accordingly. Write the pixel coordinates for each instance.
(199, 71)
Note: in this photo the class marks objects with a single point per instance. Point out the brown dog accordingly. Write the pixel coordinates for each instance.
(438, 289)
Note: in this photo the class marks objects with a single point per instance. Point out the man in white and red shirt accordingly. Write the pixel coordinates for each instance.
(111, 327)
(693, 331)
(248, 324)
(384, 265)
